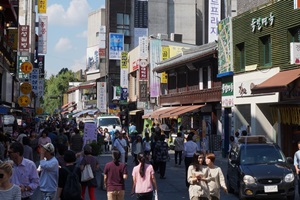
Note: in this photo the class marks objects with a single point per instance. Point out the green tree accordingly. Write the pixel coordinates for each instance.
(55, 87)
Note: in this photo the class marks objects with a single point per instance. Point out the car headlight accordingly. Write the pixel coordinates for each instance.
(289, 178)
(248, 179)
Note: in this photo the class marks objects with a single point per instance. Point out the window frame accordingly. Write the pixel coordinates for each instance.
(265, 48)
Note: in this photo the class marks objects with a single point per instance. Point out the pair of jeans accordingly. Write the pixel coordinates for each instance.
(116, 195)
(178, 153)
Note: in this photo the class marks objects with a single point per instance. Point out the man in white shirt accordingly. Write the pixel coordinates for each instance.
(121, 144)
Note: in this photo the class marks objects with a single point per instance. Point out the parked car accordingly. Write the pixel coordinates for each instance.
(108, 121)
(259, 169)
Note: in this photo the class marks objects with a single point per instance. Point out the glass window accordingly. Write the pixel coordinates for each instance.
(294, 34)
(265, 50)
(123, 22)
(120, 18)
(205, 78)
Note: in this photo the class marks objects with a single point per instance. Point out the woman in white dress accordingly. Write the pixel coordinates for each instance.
(197, 174)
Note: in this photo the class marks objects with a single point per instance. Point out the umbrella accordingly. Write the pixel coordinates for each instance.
(165, 127)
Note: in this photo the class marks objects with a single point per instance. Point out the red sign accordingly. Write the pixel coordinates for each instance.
(135, 65)
(24, 38)
(143, 73)
(102, 52)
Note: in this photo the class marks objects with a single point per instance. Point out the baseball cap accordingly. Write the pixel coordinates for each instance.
(49, 147)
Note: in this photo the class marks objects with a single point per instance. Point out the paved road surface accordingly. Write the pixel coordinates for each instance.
(171, 188)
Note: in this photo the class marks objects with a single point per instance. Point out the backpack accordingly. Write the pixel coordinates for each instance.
(72, 187)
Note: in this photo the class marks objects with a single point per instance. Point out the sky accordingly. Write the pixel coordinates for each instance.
(67, 34)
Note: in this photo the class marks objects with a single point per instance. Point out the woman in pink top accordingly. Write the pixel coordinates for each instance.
(143, 179)
(44, 139)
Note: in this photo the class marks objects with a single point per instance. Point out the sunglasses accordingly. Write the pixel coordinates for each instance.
(1, 175)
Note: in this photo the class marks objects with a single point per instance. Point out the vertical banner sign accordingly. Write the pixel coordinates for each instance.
(116, 93)
(41, 65)
(13, 38)
(155, 57)
(101, 96)
(143, 70)
(214, 15)
(143, 91)
(225, 49)
(124, 95)
(116, 45)
(43, 29)
(124, 70)
(296, 4)
(24, 38)
(164, 77)
(42, 6)
(143, 45)
(22, 59)
(41, 88)
(227, 94)
(102, 37)
(34, 80)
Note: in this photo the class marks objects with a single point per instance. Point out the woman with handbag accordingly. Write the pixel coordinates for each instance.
(88, 179)
(144, 182)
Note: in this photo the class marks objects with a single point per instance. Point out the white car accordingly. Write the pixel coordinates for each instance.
(108, 121)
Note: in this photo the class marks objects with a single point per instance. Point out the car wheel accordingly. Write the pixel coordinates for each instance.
(291, 197)
(229, 188)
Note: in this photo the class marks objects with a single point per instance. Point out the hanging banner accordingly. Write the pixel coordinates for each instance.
(43, 29)
(101, 97)
(124, 95)
(214, 16)
(42, 6)
(143, 94)
(23, 38)
(116, 45)
(117, 93)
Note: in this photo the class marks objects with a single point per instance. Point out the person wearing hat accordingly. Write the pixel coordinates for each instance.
(49, 172)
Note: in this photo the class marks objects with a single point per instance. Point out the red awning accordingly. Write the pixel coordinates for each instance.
(181, 110)
(157, 113)
(277, 83)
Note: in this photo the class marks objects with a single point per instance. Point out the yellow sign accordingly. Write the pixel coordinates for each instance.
(124, 60)
(39, 111)
(25, 88)
(23, 101)
(164, 77)
(26, 67)
(42, 6)
(165, 52)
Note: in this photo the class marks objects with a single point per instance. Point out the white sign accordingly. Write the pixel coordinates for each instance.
(34, 80)
(101, 96)
(102, 37)
(143, 45)
(295, 52)
(258, 23)
(124, 78)
(90, 133)
(43, 29)
(214, 16)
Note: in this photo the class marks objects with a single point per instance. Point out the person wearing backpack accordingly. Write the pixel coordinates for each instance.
(69, 186)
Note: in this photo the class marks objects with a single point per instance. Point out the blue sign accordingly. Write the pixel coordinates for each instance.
(3, 110)
(116, 45)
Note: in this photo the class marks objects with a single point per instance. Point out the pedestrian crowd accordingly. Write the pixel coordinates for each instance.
(53, 159)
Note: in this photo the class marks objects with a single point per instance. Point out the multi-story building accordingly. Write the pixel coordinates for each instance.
(265, 65)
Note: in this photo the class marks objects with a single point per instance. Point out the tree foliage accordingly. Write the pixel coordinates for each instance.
(55, 87)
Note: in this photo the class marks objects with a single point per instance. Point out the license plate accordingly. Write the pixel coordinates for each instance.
(271, 188)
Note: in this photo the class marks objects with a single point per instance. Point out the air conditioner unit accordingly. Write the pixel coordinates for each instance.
(162, 36)
(176, 37)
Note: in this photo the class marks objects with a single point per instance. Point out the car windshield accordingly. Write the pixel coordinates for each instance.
(109, 121)
(263, 154)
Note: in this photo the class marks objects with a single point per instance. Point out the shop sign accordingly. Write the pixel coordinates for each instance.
(258, 23)
(143, 91)
(26, 67)
(23, 101)
(227, 89)
(143, 72)
(23, 38)
(39, 111)
(25, 88)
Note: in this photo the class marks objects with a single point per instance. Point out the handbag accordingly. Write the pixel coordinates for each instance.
(87, 173)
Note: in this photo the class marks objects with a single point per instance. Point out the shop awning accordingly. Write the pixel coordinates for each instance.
(277, 83)
(133, 112)
(181, 110)
(157, 113)
(66, 105)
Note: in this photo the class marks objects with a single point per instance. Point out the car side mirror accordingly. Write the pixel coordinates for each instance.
(290, 160)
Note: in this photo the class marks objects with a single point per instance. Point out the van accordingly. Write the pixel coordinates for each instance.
(107, 121)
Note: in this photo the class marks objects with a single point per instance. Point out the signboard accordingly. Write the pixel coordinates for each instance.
(22, 59)
(41, 65)
(23, 38)
(101, 96)
(227, 94)
(26, 67)
(25, 88)
(143, 72)
(93, 61)
(214, 16)
(90, 133)
(39, 111)
(143, 45)
(34, 80)
(43, 29)
(164, 77)
(124, 95)
(295, 52)
(23, 101)
(116, 45)
(143, 94)
(42, 6)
